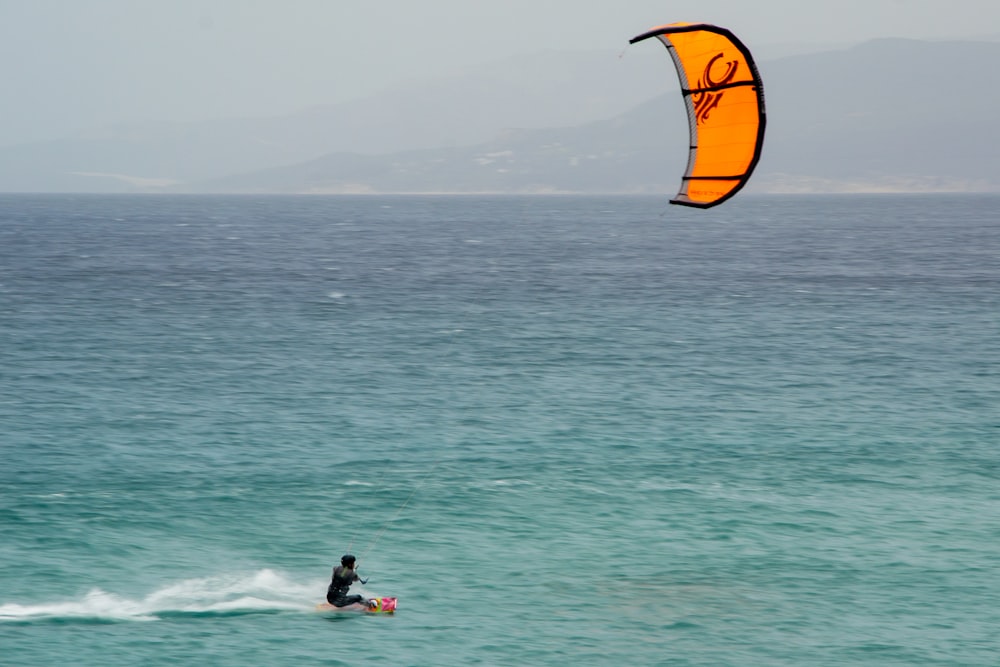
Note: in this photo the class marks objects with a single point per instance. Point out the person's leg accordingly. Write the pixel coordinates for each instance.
(348, 600)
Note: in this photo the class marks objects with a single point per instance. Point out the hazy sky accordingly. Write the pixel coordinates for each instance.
(75, 64)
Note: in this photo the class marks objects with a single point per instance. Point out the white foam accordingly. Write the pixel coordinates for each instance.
(96, 604)
(261, 591)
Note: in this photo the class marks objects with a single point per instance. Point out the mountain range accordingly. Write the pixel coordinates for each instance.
(885, 115)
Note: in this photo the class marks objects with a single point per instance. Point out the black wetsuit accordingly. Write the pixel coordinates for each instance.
(336, 594)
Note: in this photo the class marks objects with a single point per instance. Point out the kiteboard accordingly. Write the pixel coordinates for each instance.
(374, 606)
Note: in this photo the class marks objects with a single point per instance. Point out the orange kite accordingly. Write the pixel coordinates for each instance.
(725, 105)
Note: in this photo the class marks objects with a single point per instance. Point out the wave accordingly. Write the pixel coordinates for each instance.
(261, 592)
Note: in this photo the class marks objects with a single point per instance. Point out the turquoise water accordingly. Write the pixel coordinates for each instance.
(561, 430)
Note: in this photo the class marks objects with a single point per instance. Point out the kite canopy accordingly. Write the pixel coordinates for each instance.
(725, 106)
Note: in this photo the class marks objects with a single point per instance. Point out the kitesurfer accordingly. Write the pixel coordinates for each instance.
(343, 576)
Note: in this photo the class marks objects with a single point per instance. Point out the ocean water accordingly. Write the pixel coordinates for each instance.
(561, 430)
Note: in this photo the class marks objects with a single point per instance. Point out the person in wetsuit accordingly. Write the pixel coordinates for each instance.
(343, 576)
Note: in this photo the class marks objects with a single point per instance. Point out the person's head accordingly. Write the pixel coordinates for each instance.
(347, 560)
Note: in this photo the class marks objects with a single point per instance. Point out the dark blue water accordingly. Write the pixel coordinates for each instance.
(562, 430)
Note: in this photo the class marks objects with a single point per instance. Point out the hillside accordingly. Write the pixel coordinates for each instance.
(887, 115)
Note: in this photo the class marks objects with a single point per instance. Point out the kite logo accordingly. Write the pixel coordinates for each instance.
(706, 98)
